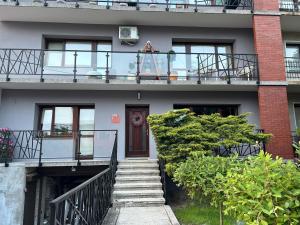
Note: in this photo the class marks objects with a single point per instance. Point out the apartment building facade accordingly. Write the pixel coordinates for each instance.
(73, 74)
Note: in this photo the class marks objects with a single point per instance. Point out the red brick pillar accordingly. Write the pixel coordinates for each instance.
(272, 92)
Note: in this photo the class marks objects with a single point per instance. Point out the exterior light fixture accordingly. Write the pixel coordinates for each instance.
(138, 95)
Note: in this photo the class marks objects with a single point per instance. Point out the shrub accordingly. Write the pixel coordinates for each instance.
(6, 145)
(180, 134)
(206, 175)
(265, 191)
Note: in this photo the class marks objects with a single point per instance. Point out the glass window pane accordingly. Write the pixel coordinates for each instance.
(84, 56)
(292, 51)
(178, 61)
(46, 120)
(101, 56)
(86, 145)
(53, 57)
(86, 119)
(63, 123)
(202, 49)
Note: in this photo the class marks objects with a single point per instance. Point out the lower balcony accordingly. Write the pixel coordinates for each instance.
(292, 68)
(42, 66)
(62, 147)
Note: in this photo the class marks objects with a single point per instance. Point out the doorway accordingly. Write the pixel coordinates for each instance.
(137, 131)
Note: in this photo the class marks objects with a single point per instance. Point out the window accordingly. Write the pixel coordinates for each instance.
(224, 110)
(292, 51)
(213, 57)
(297, 115)
(63, 120)
(89, 55)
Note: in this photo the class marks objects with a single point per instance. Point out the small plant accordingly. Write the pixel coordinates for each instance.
(297, 148)
(6, 145)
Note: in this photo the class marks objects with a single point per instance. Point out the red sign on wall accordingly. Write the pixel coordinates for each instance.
(115, 118)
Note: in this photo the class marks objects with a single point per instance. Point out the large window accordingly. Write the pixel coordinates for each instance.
(90, 55)
(63, 120)
(292, 54)
(223, 110)
(212, 57)
(297, 115)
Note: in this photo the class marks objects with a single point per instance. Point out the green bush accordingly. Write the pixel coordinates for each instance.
(265, 191)
(206, 175)
(180, 134)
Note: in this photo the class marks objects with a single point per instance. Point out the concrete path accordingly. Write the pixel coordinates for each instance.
(160, 215)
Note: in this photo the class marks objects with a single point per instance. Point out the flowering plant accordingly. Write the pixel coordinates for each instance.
(6, 145)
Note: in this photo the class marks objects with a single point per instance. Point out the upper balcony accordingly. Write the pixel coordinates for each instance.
(290, 8)
(101, 70)
(197, 13)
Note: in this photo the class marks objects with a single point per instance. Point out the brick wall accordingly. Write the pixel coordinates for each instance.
(269, 46)
(273, 101)
(274, 119)
(266, 5)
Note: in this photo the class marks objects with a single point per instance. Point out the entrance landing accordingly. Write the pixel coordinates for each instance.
(159, 215)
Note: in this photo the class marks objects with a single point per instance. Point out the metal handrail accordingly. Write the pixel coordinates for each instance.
(201, 66)
(89, 210)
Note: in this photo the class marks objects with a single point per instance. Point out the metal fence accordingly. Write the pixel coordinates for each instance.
(289, 5)
(292, 68)
(45, 146)
(114, 65)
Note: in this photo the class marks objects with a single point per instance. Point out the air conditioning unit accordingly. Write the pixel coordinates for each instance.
(128, 34)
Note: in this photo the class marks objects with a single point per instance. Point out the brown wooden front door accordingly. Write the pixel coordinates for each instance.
(137, 131)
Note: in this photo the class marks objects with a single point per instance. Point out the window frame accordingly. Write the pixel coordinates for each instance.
(75, 121)
(236, 106)
(188, 52)
(94, 45)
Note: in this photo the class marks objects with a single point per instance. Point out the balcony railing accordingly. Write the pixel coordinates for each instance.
(290, 5)
(292, 68)
(150, 4)
(137, 66)
(46, 146)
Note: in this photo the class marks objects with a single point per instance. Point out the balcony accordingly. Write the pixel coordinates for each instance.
(289, 5)
(64, 147)
(26, 66)
(198, 13)
(292, 67)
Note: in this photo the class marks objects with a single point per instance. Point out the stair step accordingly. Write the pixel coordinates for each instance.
(138, 166)
(129, 161)
(138, 186)
(139, 202)
(137, 194)
(137, 172)
(125, 179)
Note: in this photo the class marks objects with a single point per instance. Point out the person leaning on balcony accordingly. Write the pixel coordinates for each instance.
(148, 47)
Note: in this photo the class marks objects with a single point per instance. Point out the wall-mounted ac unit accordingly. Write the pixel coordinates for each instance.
(128, 34)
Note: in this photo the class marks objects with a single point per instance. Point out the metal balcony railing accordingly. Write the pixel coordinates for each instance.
(46, 146)
(289, 5)
(116, 65)
(292, 68)
(150, 4)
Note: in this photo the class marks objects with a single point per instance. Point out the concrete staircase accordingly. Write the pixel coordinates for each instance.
(138, 184)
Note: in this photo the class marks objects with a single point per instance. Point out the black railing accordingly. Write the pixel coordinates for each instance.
(114, 65)
(243, 150)
(166, 5)
(88, 203)
(290, 5)
(162, 169)
(292, 68)
(47, 146)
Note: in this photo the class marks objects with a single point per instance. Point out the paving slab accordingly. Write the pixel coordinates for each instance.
(160, 215)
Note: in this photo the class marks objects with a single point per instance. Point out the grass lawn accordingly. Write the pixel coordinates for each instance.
(193, 214)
